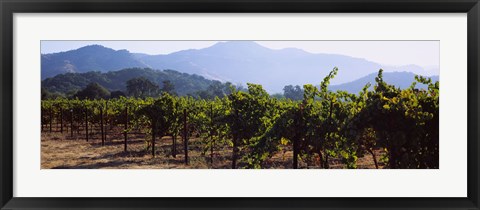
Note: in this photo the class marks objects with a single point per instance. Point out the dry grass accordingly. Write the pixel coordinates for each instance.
(60, 151)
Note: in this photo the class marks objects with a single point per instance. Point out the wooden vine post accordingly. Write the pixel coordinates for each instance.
(235, 149)
(295, 140)
(101, 125)
(51, 118)
(86, 123)
(234, 154)
(61, 119)
(212, 144)
(71, 123)
(174, 146)
(174, 142)
(57, 121)
(154, 130)
(41, 118)
(105, 124)
(125, 133)
(185, 137)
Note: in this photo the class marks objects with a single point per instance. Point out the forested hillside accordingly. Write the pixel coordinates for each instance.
(69, 83)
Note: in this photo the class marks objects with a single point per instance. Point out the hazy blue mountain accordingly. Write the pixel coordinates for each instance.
(89, 58)
(399, 79)
(234, 61)
(246, 61)
(116, 80)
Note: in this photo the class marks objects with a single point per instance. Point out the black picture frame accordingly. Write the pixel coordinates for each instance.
(9, 7)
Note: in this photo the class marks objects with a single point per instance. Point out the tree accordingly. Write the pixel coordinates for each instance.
(204, 94)
(45, 94)
(168, 87)
(141, 87)
(278, 96)
(117, 94)
(93, 91)
(216, 89)
(49, 95)
(293, 93)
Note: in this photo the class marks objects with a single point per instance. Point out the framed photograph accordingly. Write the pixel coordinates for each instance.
(239, 105)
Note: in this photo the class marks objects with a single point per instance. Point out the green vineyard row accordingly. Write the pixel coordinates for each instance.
(402, 122)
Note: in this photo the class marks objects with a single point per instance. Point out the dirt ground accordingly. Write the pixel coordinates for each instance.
(61, 151)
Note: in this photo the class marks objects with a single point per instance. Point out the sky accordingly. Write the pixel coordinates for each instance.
(395, 53)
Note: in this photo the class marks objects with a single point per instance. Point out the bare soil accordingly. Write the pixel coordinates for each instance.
(61, 151)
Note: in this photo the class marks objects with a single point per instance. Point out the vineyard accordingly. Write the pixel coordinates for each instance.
(393, 127)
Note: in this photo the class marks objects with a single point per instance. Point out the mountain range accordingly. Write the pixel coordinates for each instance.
(398, 79)
(238, 62)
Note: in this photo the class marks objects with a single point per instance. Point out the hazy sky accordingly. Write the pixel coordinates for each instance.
(423, 53)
